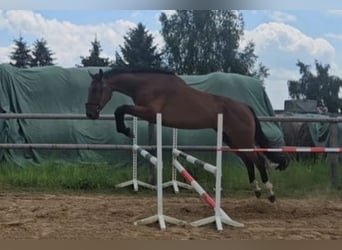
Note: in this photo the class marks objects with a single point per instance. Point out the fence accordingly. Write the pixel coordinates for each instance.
(333, 142)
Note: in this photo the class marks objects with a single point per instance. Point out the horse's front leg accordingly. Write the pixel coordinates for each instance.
(138, 111)
(120, 121)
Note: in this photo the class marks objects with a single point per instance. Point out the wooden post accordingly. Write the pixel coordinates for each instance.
(333, 157)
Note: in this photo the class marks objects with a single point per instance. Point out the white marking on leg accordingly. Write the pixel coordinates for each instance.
(255, 185)
(269, 187)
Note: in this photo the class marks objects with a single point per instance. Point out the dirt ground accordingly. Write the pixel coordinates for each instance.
(60, 216)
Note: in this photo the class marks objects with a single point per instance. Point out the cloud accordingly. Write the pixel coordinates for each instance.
(4, 54)
(67, 40)
(335, 12)
(279, 44)
(279, 47)
(334, 36)
(282, 17)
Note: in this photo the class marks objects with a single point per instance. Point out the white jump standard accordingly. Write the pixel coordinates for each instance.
(158, 163)
(220, 216)
(135, 182)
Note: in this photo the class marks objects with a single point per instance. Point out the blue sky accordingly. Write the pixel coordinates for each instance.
(281, 37)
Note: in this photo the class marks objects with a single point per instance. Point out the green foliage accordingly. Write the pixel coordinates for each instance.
(322, 87)
(138, 49)
(21, 55)
(42, 55)
(204, 41)
(94, 59)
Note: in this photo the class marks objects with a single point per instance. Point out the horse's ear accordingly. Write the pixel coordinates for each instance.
(100, 73)
(91, 75)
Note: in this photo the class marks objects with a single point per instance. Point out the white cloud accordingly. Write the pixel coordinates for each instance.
(4, 54)
(281, 44)
(282, 17)
(335, 12)
(334, 36)
(69, 41)
(279, 47)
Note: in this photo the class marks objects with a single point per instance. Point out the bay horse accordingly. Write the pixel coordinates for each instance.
(162, 91)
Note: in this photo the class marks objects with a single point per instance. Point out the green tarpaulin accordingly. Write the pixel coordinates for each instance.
(64, 91)
(319, 132)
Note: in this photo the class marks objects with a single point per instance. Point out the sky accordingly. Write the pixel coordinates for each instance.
(281, 37)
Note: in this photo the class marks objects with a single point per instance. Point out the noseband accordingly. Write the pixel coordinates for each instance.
(90, 105)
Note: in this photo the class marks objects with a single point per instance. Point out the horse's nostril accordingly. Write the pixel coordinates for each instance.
(90, 115)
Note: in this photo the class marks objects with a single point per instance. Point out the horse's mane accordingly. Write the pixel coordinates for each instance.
(129, 69)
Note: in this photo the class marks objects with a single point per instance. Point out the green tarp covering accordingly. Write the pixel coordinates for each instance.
(64, 91)
(319, 132)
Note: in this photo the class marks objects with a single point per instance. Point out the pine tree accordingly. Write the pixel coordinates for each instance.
(42, 55)
(138, 49)
(94, 59)
(21, 54)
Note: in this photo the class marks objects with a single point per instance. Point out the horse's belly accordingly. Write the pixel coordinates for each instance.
(188, 121)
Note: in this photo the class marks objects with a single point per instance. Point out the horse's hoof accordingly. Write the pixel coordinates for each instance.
(272, 198)
(257, 193)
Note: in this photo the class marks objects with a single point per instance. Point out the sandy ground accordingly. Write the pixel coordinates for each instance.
(59, 216)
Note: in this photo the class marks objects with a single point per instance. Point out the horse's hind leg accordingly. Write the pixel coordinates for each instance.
(252, 181)
(251, 175)
(264, 177)
(250, 168)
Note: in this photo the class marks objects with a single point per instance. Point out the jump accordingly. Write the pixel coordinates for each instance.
(161, 91)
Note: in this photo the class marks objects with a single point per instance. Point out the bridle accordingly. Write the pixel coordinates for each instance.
(95, 106)
(91, 105)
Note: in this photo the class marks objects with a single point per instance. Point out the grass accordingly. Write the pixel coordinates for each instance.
(54, 176)
(301, 179)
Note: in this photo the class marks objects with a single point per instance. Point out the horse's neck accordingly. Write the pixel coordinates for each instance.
(126, 87)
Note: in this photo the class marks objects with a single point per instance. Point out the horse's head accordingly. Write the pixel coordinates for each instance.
(99, 94)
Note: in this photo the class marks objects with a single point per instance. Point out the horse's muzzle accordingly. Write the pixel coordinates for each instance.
(92, 111)
(93, 116)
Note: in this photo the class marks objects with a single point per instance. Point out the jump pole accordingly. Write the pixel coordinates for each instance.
(220, 216)
(158, 163)
(135, 182)
(174, 182)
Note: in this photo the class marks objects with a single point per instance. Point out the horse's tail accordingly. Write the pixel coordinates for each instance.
(277, 157)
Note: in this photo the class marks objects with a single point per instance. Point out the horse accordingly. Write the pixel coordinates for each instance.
(162, 91)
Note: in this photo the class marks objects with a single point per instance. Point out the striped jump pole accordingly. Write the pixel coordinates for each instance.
(158, 163)
(220, 216)
(197, 162)
(286, 149)
(334, 176)
(135, 182)
(174, 182)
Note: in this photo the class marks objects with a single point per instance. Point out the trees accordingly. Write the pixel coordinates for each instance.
(22, 57)
(203, 41)
(42, 55)
(138, 49)
(322, 87)
(21, 54)
(94, 59)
